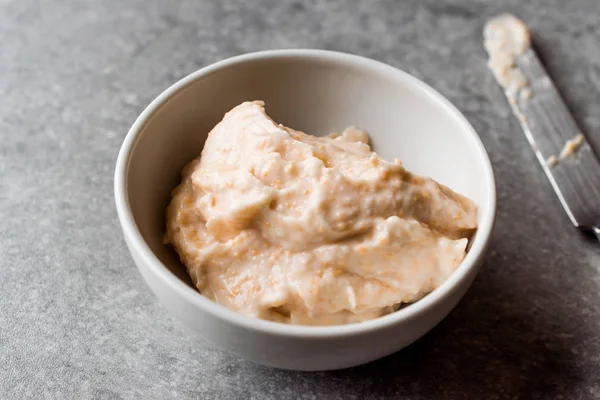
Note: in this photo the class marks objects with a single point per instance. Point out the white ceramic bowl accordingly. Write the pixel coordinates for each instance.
(317, 92)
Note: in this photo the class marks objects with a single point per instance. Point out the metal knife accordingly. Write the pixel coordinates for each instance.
(563, 152)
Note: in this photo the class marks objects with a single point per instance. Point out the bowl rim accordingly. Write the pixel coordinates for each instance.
(151, 262)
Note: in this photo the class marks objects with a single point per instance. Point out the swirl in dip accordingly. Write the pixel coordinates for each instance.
(289, 227)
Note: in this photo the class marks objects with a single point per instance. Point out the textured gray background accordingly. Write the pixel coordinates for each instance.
(76, 319)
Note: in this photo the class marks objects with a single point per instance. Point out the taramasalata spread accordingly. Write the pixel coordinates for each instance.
(289, 227)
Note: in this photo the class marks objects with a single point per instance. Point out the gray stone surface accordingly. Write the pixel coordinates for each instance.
(76, 319)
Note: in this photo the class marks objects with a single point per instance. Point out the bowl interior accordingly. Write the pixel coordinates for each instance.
(317, 93)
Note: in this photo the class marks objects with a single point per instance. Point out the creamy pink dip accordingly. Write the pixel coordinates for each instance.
(284, 226)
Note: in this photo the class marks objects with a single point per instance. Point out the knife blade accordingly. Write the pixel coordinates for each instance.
(559, 145)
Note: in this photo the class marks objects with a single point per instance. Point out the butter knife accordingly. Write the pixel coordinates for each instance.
(562, 150)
